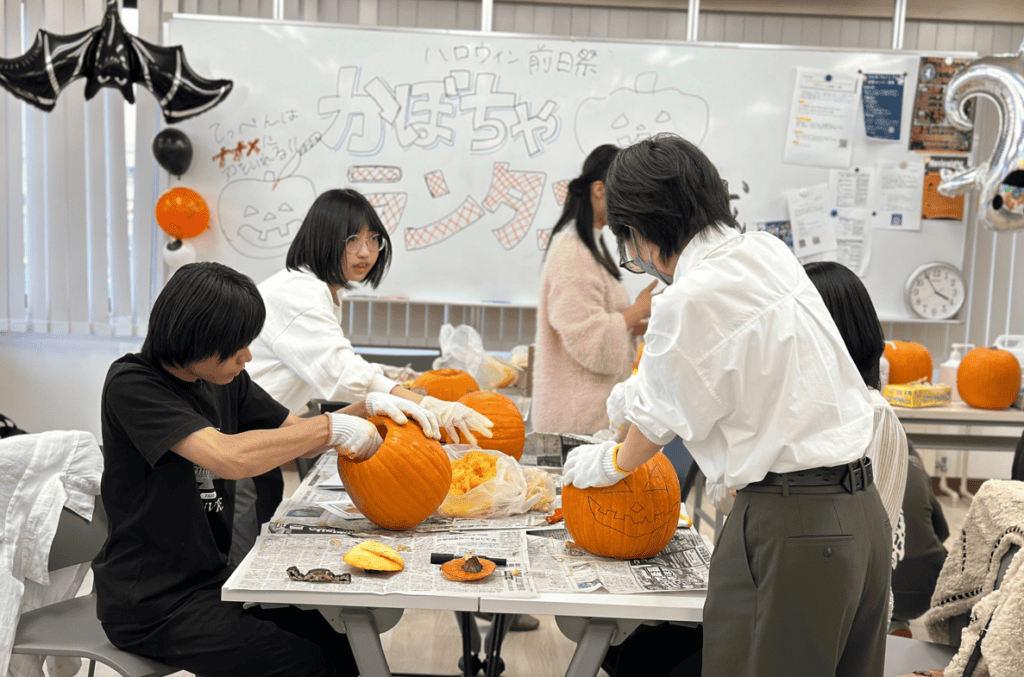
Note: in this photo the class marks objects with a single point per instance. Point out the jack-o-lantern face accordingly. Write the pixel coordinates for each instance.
(631, 114)
(632, 519)
(260, 217)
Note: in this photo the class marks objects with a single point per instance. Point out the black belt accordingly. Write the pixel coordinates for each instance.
(849, 477)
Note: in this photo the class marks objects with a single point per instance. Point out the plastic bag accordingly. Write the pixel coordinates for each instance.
(512, 491)
(462, 348)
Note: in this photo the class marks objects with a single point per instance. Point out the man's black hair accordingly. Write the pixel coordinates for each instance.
(205, 310)
(668, 191)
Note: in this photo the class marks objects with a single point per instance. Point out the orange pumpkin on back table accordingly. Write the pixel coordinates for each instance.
(509, 431)
(404, 482)
(632, 519)
(908, 361)
(446, 384)
(988, 378)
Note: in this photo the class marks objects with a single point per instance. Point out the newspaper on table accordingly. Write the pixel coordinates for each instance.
(320, 506)
(266, 567)
(557, 565)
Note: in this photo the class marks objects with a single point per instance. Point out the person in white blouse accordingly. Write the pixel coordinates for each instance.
(302, 352)
(744, 363)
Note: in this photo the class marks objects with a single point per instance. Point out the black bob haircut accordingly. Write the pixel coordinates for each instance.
(335, 216)
(667, 190)
(205, 310)
(850, 305)
(578, 208)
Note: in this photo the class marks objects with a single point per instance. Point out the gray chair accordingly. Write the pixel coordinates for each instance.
(70, 627)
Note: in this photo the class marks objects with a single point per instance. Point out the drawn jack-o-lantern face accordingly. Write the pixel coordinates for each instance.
(631, 114)
(632, 519)
(259, 217)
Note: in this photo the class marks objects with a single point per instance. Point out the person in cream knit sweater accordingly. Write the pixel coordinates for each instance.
(587, 330)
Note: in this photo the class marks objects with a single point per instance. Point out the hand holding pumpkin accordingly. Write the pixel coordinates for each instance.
(396, 408)
(457, 418)
(592, 465)
(355, 438)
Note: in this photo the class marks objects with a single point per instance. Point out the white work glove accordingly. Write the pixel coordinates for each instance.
(592, 465)
(355, 438)
(396, 408)
(457, 418)
(615, 405)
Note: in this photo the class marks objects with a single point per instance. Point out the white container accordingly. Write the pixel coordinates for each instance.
(883, 372)
(1014, 343)
(947, 370)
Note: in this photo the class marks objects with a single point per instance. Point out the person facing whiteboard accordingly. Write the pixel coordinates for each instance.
(586, 327)
(302, 352)
(745, 364)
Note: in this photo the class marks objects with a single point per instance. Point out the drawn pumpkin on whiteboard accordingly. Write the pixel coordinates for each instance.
(631, 114)
(260, 217)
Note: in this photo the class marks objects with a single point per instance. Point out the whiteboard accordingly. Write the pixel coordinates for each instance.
(464, 142)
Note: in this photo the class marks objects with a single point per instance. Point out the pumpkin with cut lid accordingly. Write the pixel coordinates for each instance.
(446, 384)
(404, 482)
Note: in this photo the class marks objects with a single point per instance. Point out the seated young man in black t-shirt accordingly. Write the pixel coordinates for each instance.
(180, 421)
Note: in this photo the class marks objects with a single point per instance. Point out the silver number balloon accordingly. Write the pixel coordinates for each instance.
(1000, 79)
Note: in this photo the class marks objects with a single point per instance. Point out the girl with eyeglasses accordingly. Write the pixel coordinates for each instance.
(302, 353)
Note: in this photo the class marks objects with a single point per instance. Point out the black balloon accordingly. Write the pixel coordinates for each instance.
(173, 150)
(109, 56)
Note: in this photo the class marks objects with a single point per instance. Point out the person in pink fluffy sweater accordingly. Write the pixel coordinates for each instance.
(587, 330)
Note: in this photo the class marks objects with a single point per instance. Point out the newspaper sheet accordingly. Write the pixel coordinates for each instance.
(266, 567)
(313, 509)
(556, 565)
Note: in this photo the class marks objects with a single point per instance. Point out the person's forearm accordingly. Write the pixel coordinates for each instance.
(405, 393)
(254, 452)
(633, 315)
(636, 450)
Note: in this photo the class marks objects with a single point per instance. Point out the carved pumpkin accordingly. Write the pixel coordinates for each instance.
(446, 384)
(632, 519)
(509, 431)
(404, 482)
(988, 378)
(908, 362)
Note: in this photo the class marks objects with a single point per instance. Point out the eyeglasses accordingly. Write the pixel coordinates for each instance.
(627, 252)
(374, 244)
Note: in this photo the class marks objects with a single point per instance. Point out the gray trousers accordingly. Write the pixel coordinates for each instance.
(799, 585)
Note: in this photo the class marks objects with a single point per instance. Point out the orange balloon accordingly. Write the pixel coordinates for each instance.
(182, 213)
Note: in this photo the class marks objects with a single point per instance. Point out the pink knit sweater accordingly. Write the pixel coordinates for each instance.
(582, 347)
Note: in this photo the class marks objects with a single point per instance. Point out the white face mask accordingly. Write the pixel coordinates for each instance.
(638, 265)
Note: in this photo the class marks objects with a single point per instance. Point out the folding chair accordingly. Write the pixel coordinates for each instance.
(70, 627)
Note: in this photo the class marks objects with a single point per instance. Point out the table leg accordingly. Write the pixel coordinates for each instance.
(363, 627)
(964, 459)
(499, 627)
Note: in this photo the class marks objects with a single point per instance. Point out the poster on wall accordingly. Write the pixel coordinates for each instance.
(882, 98)
(929, 130)
(935, 205)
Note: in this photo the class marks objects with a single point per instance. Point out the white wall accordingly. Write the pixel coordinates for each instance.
(50, 382)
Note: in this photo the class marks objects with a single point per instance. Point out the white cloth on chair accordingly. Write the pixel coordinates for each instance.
(993, 524)
(39, 475)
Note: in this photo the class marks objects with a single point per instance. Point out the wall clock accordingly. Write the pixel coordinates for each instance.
(935, 291)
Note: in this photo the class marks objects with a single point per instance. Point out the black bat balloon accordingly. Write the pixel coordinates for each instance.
(108, 56)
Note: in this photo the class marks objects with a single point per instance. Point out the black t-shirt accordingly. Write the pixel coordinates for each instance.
(170, 520)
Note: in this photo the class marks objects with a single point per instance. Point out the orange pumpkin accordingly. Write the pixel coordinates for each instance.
(509, 431)
(446, 384)
(988, 378)
(908, 361)
(632, 519)
(404, 482)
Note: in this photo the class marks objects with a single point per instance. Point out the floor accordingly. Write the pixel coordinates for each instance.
(544, 651)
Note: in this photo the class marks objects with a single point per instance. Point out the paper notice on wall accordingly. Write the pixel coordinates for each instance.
(935, 205)
(853, 239)
(822, 118)
(808, 209)
(883, 105)
(851, 188)
(900, 189)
